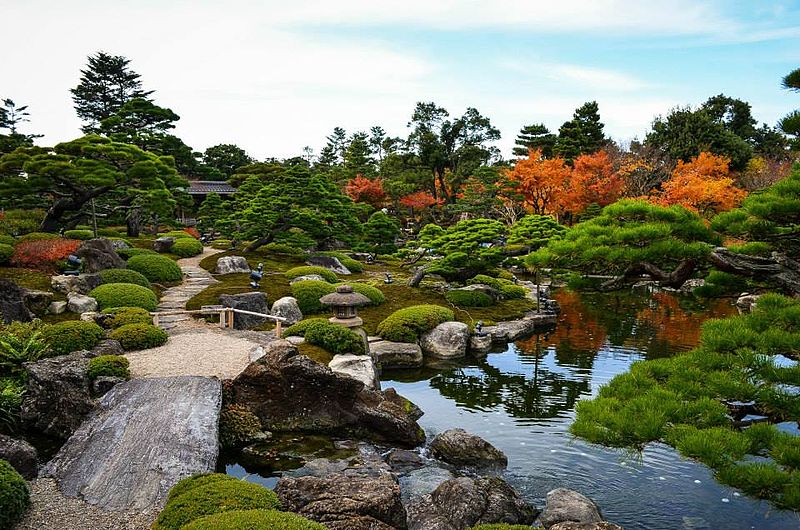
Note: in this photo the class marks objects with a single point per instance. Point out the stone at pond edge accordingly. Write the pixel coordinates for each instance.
(460, 448)
(287, 308)
(511, 330)
(480, 344)
(163, 244)
(99, 254)
(232, 265)
(38, 302)
(80, 303)
(396, 354)
(465, 502)
(57, 308)
(254, 301)
(80, 284)
(359, 367)
(565, 505)
(690, 285)
(571, 525)
(106, 347)
(20, 454)
(12, 303)
(481, 288)
(328, 262)
(446, 341)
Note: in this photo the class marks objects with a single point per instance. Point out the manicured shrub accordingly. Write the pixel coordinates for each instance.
(7, 240)
(109, 365)
(753, 248)
(468, 298)
(14, 495)
(351, 264)
(299, 329)
(720, 283)
(126, 315)
(19, 221)
(238, 426)
(307, 270)
(127, 253)
(255, 519)
(111, 232)
(187, 247)
(282, 249)
(214, 497)
(406, 325)
(82, 235)
(334, 338)
(42, 253)
(308, 293)
(124, 276)
(156, 268)
(124, 295)
(195, 481)
(177, 234)
(375, 295)
(6, 251)
(139, 336)
(506, 288)
(37, 236)
(72, 335)
(221, 244)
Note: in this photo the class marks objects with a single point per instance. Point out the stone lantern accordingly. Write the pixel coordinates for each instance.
(344, 302)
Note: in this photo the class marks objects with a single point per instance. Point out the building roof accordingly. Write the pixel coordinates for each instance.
(204, 187)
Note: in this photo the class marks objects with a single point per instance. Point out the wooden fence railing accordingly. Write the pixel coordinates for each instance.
(226, 315)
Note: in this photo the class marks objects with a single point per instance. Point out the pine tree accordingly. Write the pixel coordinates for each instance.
(535, 137)
(583, 134)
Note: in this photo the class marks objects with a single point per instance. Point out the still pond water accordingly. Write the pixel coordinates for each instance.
(522, 399)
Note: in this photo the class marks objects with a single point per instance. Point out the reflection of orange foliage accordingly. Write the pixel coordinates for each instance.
(576, 327)
(419, 199)
(362, 189)
(542, 182)
(593, 181)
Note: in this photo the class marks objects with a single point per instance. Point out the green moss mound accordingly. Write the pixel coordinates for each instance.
(195, 481)
(124, 276)
(468, 298)
(407, 324)
(6, 251)
(156, 268)
(237, 426)
(7, 240)
(334, 338)
(14, 495)
(139, 336)
(126, 315)
(82, 235)
(506, 288)
(72, 335)
(177, 234)
(375, 295)
(127, 253)
(307, 270)
(187, 247)
(37, 236)
(109, 365)
(299, 329)
(308, 293)
(124, 295)
(212, 498)
(351, 264)
(253, 519)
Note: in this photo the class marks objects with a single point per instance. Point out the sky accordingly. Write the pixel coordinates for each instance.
(275, 76)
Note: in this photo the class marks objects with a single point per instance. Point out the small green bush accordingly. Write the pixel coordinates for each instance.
(109, 365)
(299, 329)
(126, 315)
(282, 249)
(124, 276)
(7, 240)
(468, 298)
(720, 283)
(156, 268)
(124, 295)
(351, 264)
(14, 495)
(187, 247)
(221, 244)
(506, 288)
(253, 519)
(308, 293)
(307, 270)
(72, 335)
(375, 295)
(195, 481)
(81, 235)
(214, 497)
(407, 324)
(127, 253)
(334, 338)
(6, 251)
(11, 393)
(139, 336)
(238, 426)
(177, 234)
(37, 236)
(111, 232)
(753, 248)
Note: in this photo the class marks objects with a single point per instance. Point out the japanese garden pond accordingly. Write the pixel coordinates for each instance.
(522, 399)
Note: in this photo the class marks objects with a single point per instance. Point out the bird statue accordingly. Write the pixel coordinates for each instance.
(73, 265)
(256, 275)
(388, 279)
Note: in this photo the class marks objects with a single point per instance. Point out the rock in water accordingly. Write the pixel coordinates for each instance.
(38, 301)
(80, 284)
(396, 354)
(480, 344)
(359, 367)
(565, 505)
(163, 244)
(329, 262)
(446, 341)
(145, 436)
(287, 308)
(99, 254)
(290, 392)
(460, 448)
(232, 265)
(20, 454)
(80, 303)
(465, 502)
(570, 525)
(255, 302)
(12, 303)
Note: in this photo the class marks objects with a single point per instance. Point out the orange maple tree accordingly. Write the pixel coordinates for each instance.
(593, 181)
(703, 184)
(542, 182)
(419, 200)
(362, 189)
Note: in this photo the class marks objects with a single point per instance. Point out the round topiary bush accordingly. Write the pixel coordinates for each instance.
(126, 315)
(255, 519)
(37, 236)
(407, 324)
(177, 234)
(307, 270)
(156, 268)
(14, 495)
(7, 240)
(127, 253)
(375, 295)
(507, 288)
(214, 497)
(334, 338)
(468, 298)
(72, 335)
(195, 481)
(6, 251)
(108, 365)
(187, 247)
(238, 426)
(81, 235)
(124, 276)
(139, 336)
(299, 329)
(124, 295)
(308, 293)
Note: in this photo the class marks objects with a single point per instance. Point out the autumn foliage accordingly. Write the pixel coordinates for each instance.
(192, 231)
(362, 189)
(419, 200)
(593, 181)
(541, 181)
(42, 254)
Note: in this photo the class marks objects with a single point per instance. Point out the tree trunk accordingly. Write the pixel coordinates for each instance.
(416, 279)
(134, 222)
(673, 279)
(777, 269)
(255, 245)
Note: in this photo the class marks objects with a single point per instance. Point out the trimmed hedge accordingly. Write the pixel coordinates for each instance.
(124, 276)
(156, 268)
(7, 240)
(195, 481)
(177, 234)
(6, 251)
(253, 519)
(187, 247)
(299, 329)
(308, 293)
(127, 253)
(124, 295)
(81, 235)
(109, 365)
(334, 338)
(14, 495)
(72, 335)
(139, 336)
(37, 236)
(375, 295)
(468, 298)
(126, 315)
(407, 324)
(214, 497)
(282, 249)
(507, 288)
(306, 270)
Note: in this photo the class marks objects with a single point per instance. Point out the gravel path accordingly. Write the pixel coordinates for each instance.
(195, 280)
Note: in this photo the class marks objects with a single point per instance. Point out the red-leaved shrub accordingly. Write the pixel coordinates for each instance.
(192, 231)
(43, 254)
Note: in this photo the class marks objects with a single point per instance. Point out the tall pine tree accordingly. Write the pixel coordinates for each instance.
(535, 137)
(583, 134)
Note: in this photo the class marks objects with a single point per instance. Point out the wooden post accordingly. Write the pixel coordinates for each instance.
(222, 314)
(277, 329)
(155, 319)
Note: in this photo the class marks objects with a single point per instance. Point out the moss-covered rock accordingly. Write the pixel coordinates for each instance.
(407, 324)
(238, 426)
(308, 292)
(82, 235)
(124, 276)
(109, 365)
(139, 336)
(308, 270)
(122, 316)
(464, 298)
(187, 247)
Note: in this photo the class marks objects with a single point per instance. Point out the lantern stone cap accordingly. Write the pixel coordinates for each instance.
(344, 297)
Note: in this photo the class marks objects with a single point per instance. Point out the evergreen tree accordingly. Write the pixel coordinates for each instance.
(790, 124)
(11, 116)
(535, 137)
(332, 154)
(380, 233)
(583, 134)
(226, 158)
(211, 211)
(358, 156)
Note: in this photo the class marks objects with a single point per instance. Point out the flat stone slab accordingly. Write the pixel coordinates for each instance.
(144, 436)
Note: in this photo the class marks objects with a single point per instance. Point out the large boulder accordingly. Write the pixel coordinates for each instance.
(80, 284)
(58, 395)
(255, 302)
(360, 367)
(565, 505)
(390, 354)
(106, 347)
(315, 277)
(20, 454)
(99, 254)
(512, 330)
(491, 292)
(464, 502)
(232, 265)
(163, 244)
(480, 344)
(329, 262)
(38, 301)
(290, 392)
(80, 303)
(460, 448)
(287, 308)
(446, 341)
(56, 308)
(12, 303)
